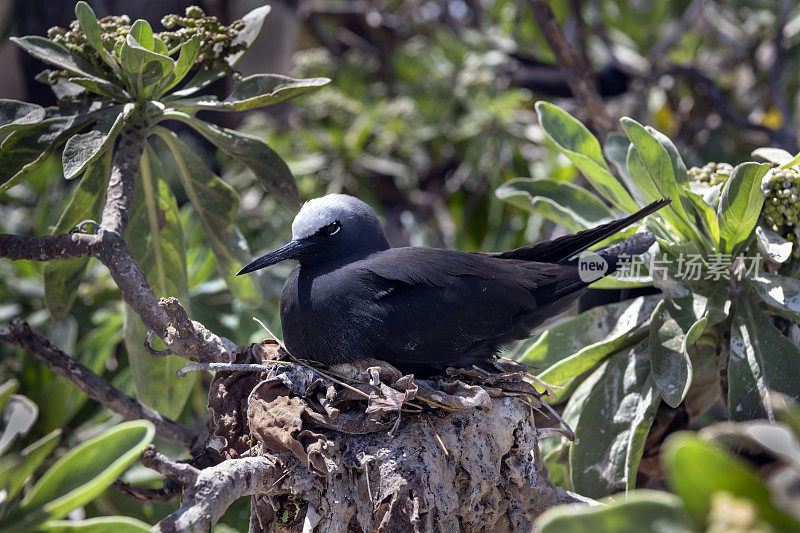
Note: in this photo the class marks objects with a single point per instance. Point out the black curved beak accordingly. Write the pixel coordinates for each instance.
(290, 250)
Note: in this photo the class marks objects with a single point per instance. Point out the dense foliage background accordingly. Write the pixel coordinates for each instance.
(429, 113)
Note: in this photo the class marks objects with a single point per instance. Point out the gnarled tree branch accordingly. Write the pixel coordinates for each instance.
(215, 488)
(20, 334)
(46, 248)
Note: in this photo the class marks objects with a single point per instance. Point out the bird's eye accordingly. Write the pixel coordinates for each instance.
(332, 228)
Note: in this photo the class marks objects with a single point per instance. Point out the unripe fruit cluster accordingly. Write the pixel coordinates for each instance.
(216, 39)
(711, 173)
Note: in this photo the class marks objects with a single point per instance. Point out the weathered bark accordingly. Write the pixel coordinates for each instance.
(487, 481)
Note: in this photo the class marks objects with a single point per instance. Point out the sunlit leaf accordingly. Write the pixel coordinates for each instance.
(571, 206)
(655, 175)
(252, 24)
(740, 205)
(773, 155)
(15, 469)
(773, 245)
(581, 147)
(88, 21)
(185, 62)
(143, 33)
(101, 524)
(84, 472)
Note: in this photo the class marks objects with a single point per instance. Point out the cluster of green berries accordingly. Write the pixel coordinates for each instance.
(711, 173)
(216, 39)
(781, 210)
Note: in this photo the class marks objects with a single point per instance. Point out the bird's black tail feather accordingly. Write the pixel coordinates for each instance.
(563, 248)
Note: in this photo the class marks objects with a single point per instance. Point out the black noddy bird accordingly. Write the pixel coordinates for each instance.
(354, 297)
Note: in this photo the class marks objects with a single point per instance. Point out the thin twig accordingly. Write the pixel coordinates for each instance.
(229, 367)
(142, 494)
(182, 473)
(438, 438)
(576, 74)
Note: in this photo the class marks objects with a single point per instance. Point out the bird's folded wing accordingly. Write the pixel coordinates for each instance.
(454, 303)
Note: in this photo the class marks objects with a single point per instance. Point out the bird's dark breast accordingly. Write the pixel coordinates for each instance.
(321, 317)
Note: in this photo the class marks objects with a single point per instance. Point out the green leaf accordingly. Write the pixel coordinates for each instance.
(793, 162)
(612, 411)
(85, 148)
(697, 470)
(15, 114)
(6, 390)
(143, 34)
(252, 92)
(616, 150)
(28, 147)
(102, 524)
(146, 68)
(186, 60)
(639, 512)
(16, 469)
(216, 203)
(653, 171)
(775, 247)
(707, 215)
(268, 167)
(678, 166)
(773, 155)
(571, 206)
(103, 88)
(63, 276)
(740, 205)
(85, 471)
(780, 293)
(155, 239)
(581, 147)
(91, 28)
(582, 342)
(53, 53)
(252, 24)
(762, 360)
(676, 324)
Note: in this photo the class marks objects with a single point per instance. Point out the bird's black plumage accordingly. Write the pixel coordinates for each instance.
(353, 297)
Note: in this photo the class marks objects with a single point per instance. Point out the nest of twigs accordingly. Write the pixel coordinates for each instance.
(275, 403)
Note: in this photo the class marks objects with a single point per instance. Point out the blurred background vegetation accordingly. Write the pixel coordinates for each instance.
(429, 111)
